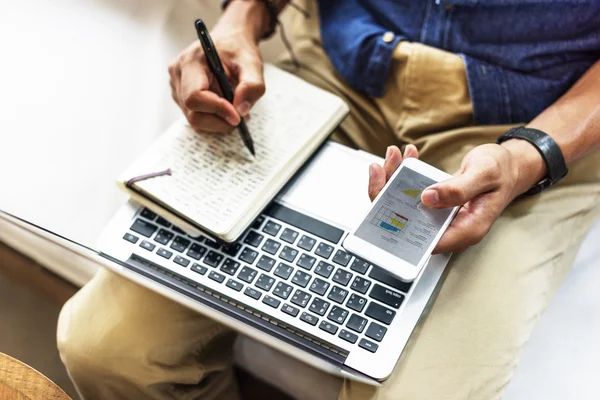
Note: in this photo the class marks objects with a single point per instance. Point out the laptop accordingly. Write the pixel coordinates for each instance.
(287, 282)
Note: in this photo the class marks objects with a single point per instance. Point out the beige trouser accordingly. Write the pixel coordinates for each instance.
(120, 341)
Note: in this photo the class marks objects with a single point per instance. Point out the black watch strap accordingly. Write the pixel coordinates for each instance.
(549, 150)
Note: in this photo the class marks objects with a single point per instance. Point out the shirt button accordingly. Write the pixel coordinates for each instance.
(388, 37)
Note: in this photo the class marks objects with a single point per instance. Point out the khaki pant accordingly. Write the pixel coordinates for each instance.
(121, 341)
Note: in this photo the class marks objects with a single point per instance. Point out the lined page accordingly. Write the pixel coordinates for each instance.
(215, 180)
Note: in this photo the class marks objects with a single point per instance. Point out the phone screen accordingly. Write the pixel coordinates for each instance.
(399, 223)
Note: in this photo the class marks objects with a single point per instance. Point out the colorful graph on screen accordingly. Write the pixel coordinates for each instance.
(389, 220)
(414, 193)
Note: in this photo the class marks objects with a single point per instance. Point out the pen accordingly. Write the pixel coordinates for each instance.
(216, 67)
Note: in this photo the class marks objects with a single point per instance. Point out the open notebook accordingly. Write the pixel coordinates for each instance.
(215, 185)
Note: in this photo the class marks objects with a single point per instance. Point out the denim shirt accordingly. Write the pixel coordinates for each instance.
(520, 55)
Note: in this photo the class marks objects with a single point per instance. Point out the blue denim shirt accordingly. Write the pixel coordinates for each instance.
(521, 55)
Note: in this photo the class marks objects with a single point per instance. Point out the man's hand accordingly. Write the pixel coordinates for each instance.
(193, 86)
(489, 178)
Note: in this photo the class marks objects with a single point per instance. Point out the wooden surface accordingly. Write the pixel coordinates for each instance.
(21, 382)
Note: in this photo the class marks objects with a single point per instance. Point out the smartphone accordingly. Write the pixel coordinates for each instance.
(398, 232)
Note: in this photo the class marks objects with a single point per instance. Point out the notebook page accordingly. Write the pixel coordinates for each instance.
(214, 178)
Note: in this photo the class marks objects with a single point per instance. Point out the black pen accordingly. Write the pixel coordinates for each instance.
(215, 65)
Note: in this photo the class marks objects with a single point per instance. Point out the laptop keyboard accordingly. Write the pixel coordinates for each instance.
(290, 265)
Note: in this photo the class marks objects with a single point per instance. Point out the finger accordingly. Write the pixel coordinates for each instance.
(251, 86)
(376, 180)
(205, 122)
(196, 96)
(458, 190)
(393, 159)
(410, 151)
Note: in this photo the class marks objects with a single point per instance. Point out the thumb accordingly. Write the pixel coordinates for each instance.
(456, 191)
(250, 88)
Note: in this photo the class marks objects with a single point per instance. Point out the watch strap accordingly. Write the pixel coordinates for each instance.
(548, 149)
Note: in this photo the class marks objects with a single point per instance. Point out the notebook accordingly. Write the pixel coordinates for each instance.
(215, 186)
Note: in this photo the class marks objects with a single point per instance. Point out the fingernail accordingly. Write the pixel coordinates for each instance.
(231, 120)
(388, 152)
(244, 108)
(430, 197)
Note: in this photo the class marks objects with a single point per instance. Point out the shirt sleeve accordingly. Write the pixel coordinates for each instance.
(354, 43)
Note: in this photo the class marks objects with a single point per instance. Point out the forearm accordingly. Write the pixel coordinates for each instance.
(573, 121)
(251, 16)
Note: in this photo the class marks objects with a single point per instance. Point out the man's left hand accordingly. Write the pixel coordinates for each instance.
(489, 178)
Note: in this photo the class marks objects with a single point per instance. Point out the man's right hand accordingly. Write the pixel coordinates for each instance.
(193, 85)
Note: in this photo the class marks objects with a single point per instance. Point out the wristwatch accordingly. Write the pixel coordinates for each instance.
(549, 150)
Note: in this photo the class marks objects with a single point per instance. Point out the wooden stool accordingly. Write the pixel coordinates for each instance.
(21, 382)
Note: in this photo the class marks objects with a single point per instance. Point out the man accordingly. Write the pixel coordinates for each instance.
(448, 79)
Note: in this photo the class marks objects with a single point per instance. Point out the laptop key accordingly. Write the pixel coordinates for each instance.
(384, 277)
(264, 282)
(328, 327)
(200, 269)
(232, 249)
(163, 222)
(283, 271)
(258, 222)
(348, 336)
(266, 263)
(251, 292)
(164, 253)
(213, 244)
(342, 258)
(324, 269)
(357, 323)
(282, 290)
(324, 250)
(337, 294)
(387, 296)
(307, 243)
(305, 261)
(163, 236)
(247, 274)
(289, 235)
(309, 318)
(290, 310)
(196, 251)
(288, 254)
(319, 306)
(368, 345)
(235, 285)
(147, 245)
(146, 213)
(304, 222)
(360, 266)
(376, 332)
(230, 266)
(213, 259)
(144, 228)
(356, 303)
(215, 276)
(361, 285)
(272, 228)
(131, 238)
(337, 314)
(342, 277)
(380, 313)
(180, 244)
(271, 246)
(301, 278)
(300, 298)
(319, 286)
(248, 255)
(271, 301)
(253, 239)
(184, 262)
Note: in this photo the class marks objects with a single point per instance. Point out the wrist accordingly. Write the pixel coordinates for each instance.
(248, 17)
(531, 167)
